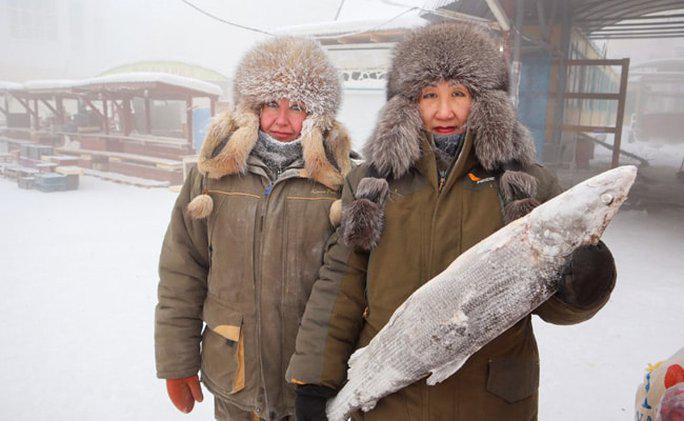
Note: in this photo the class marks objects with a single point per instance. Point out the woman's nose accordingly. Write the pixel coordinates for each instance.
(282, 119)
(444, 111)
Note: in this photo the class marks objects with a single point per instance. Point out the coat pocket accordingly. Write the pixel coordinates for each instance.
(223, 347)
(513, 378)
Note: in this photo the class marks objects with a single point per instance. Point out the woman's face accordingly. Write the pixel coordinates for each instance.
(282, 119)
(444, 108)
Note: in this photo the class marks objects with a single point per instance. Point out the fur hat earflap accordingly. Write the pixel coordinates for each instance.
(316, 162)
(394, 145)
(200, 207)
(229, 140)
(500, 138)
(363, 218)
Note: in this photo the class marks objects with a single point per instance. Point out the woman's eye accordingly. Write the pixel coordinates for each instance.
(429, 95)
(297, 108)
(272, 104)
(458, 93)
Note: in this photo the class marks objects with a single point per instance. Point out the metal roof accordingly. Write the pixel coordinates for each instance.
(600, 19)
(155, 84)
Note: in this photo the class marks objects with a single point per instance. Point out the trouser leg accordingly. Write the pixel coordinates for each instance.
(224, 411)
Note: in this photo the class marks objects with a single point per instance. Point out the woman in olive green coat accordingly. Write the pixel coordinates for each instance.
(248, 232)
(447, 166)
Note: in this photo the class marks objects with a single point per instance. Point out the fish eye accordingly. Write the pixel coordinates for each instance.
(607, 198)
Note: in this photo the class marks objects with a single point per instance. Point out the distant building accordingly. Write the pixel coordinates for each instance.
(655, 102)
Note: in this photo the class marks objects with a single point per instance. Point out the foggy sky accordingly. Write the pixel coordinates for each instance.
(87, 37)
(93, 36)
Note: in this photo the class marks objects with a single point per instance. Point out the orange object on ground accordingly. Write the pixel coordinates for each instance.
(184, 392)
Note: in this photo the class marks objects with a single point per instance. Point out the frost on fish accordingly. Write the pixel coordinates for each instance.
(481, 294)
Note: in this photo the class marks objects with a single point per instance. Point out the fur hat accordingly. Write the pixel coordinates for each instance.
(283, 67)
(460, 53)
(288, 67)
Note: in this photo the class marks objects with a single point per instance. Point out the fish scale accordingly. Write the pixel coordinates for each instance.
(484, 292)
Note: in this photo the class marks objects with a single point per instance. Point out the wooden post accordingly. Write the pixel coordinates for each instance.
(127, 116)
(516, 65)
(561, 78)
(620, 113)
(148, 115)
(61, 116)
(36, 124)
(6, 109)
(105, 115)
(188, 117)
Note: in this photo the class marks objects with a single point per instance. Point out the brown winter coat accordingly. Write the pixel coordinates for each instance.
(425, 228)
(236, 282)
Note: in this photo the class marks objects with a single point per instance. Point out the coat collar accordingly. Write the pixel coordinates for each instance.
(426, 165)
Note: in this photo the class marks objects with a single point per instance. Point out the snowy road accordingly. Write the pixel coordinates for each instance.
(78, 271)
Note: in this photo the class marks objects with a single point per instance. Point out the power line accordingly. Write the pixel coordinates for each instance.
(339, 9)
(372, 28)
(344, 34)
(237, 25)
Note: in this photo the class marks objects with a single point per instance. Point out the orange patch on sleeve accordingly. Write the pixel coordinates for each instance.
(473, 177)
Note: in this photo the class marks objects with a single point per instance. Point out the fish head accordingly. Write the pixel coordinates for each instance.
(579, 216)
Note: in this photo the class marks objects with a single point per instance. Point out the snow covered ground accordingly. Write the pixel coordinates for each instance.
(78, 271)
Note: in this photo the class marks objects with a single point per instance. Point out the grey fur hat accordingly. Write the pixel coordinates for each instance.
(461, 53)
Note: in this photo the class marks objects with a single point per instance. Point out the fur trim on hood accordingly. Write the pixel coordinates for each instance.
(459, 53)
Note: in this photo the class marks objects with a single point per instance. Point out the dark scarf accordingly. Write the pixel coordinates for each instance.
(276, 155)
(446, 150)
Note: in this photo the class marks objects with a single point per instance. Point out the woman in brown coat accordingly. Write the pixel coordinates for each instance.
(248, 232)
(448, 165)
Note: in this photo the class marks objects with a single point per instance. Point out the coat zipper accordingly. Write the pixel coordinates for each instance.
(263, 210)
(442, 180)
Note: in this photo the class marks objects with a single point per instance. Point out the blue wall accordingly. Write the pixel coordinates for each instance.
(200, 122)
(534, 95)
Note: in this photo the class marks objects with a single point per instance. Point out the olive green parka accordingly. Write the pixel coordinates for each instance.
(236, 272)
(404, 222)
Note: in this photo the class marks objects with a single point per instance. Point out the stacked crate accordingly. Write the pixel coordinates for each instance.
(31, 154)
(50, 182)
(72, 174)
